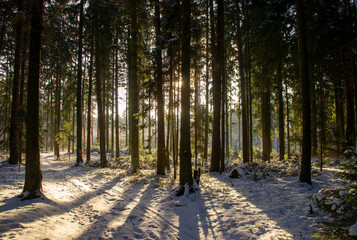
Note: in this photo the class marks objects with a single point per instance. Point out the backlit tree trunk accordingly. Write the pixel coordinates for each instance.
(161, 159)
(245, 139)
(98, 73)
(33, 175)
(133, 89)
(185, 141)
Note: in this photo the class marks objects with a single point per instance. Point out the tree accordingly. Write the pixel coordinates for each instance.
(217, 97)
(133, 88)
(221, 74)
(281, 114)
(14, 124)
(79, 87)
(161, 156)
(185, 140)
(266, 115)
(98, 73)
(242, 88)
(33, 176)
(90, 89)
(305, 171)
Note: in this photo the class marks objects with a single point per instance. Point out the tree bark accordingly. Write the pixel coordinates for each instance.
(14, 123)
(133, 89)
(217, 91)
(161, 159)
(185, 141)
(90, 89)
(57, 110)
(266, 118)
(79, 159)
(313, 118)
(98, 73)
(305, 171)
(205, 151)
(281, 115)
(33, 175)
(245, 138)
(117, 140)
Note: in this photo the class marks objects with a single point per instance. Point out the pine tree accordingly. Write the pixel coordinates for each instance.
(185, 140)
(305, 171)
(33, 175)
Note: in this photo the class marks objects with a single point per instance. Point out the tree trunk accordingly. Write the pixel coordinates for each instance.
(33, 175)
(266, 119)
(305, 171)
(113, 111)
(217, 84)
(14, 123)
(220, 63)
(313, 118)
(79, 159)
(322, 119)
(185, 141)
(281, 115)
(57, 111)
(287, 118)
(98, 73)
(205, 151)
(117, 140)
(160, 99)
(245, 139)
(149, 123)
(133, 89)
(22, 91)
(196, 122)
(340, 120)
(348, 86)
(90, 88)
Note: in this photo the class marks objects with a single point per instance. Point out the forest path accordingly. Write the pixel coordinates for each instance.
(103, 203)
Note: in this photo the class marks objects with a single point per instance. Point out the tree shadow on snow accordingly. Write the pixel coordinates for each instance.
(52, 208)
(193, 216)
(127, 212)
(282, 201)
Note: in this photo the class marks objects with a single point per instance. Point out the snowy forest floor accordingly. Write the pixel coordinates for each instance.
(105, 203)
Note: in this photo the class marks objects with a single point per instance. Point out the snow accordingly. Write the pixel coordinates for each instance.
(91, 203)
(353, 230)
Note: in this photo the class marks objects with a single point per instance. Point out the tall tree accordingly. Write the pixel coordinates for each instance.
(33, 176)
(117, 136)
(160, 99)
(14, 123)
(89, 110)
(185, 140)
(221, 73)
(79, 159)
(245, 139)
(305, 171)
(133, 88)
(281, 114)
(205, 151)
(98, 73)
(217, 96)
(266, 116)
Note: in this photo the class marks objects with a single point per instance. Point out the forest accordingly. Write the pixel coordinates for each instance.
(169, 119)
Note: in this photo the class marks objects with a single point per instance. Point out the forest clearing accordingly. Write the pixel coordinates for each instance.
(107, 203)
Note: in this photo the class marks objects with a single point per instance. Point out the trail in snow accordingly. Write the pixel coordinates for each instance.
(94, 203)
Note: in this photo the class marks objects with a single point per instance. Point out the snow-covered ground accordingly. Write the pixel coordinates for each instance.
(95, 203)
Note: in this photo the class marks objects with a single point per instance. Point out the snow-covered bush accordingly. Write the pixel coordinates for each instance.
(341, 206)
